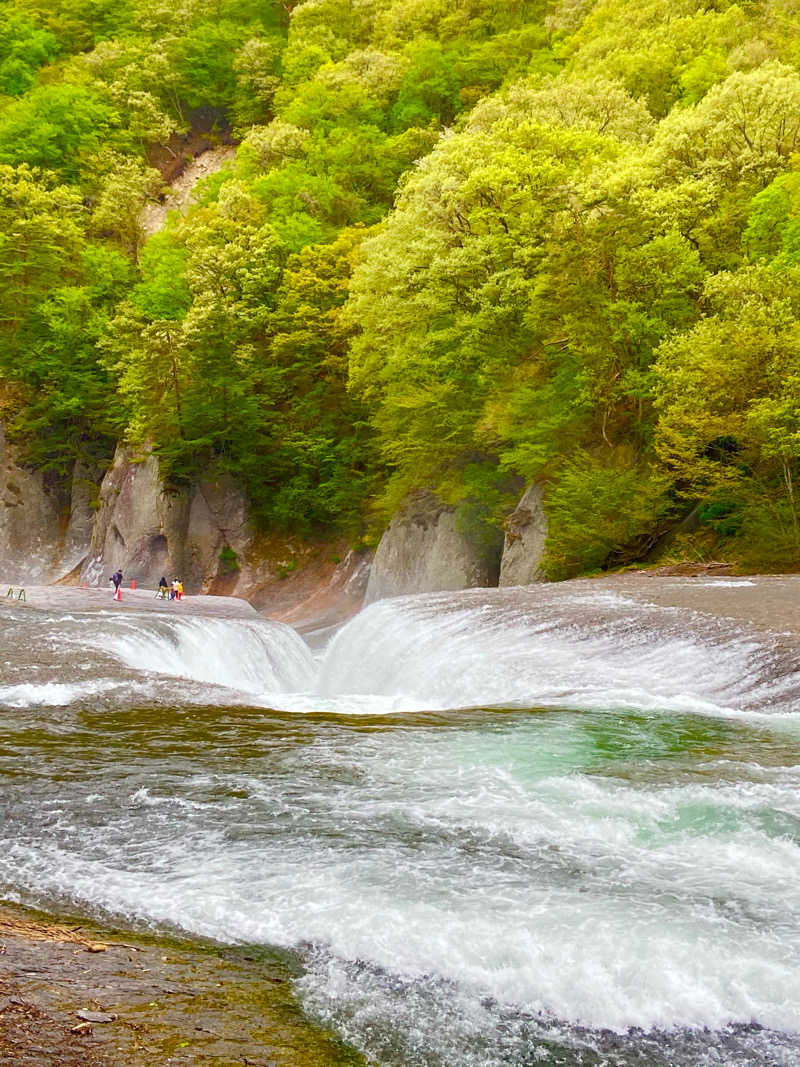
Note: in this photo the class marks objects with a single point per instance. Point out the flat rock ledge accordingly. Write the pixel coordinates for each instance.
(73, 598)
(74, 994)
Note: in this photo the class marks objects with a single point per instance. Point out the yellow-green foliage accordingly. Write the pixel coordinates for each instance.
(463, 246)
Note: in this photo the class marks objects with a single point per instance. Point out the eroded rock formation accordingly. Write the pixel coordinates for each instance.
(45, 527)
(148, 531)
(526, 533)
(203, 535)
(423, 551)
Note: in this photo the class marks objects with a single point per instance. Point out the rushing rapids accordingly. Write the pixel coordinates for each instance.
(554, 826)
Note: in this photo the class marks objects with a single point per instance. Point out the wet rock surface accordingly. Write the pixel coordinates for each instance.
(146, 1001)
(70, 598)
(764, 602)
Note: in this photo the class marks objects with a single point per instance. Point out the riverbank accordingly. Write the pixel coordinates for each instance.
(75, 994)
(73, 598)
(764, 602)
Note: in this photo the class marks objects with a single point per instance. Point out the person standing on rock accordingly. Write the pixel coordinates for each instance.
(116, 578)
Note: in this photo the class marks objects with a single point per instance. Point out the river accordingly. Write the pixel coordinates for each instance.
(557, 826)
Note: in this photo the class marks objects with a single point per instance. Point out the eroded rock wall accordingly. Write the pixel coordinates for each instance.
(148, 531)
(203, 536)
(423, 551)
(523, 548)
(45, 526)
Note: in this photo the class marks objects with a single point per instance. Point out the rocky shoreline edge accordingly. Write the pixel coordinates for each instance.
(77, 994)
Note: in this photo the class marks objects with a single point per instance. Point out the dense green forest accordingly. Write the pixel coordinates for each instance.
(462, 245)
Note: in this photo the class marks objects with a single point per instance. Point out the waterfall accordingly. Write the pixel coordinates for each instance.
(251, 657)
(532, 648)
(535, 647)
(554, 824)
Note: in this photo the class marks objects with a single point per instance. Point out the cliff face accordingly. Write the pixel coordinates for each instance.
(149, 532)
(526, 533)
(423, 551)
(203, 536)
(44, 528)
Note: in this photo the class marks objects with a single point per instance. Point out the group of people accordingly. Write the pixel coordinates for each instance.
(165, 592)
(171, 592)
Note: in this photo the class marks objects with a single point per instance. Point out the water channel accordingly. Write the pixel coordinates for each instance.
(556, 826)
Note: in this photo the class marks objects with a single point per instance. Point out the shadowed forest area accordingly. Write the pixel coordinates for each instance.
(464, 245)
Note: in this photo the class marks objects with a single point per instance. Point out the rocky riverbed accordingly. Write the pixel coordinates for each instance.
(763, 602)
(74, 994)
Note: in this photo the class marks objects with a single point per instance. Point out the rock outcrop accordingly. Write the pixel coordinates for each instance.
(148, 531)
(423, 551)
(45, 525)
(208, 160)
(526, 533)
(203, 535)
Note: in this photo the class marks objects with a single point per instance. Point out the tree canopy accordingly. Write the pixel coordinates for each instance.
(461, 247)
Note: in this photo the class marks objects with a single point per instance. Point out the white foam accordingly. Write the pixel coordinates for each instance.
(584, 899)
(53, 694)
(505, 861)
(721, 583)
(594, 650)
(243, 655)
(446, 654)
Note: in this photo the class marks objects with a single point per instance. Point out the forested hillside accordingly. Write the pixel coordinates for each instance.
(463, 246)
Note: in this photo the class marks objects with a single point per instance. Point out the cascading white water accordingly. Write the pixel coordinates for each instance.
(485, 648)
(476, 649)
(470, 888)
(251, 657)
(472, 652)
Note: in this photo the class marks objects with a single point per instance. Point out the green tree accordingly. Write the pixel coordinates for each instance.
(24, 47)
(57, 127)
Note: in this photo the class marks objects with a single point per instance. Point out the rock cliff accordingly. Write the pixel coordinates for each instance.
(203, 535)
(148, 531)
(52, 533)
(44, 525)
(423, 551)
(526, 533)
